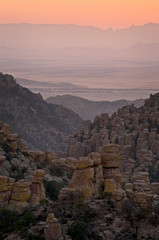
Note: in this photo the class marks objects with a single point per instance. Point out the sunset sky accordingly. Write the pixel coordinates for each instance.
(100, 13)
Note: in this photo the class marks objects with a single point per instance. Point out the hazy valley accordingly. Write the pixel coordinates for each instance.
(88, 57)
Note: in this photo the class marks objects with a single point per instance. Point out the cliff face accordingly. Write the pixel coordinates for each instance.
(42, 125)
(135, 130)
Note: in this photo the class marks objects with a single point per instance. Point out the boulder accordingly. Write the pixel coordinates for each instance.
(140, 197)
(141, 176)
(83, 180)
(155, 188)
(96, 157)
(109, 185)
(84, 162)
(38, 176)
(113, 173)
(71, 162)
(118, 194)
(110, 156)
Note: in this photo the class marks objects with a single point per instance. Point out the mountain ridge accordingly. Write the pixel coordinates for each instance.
(87, 109)
(51, 35)
(42, 125)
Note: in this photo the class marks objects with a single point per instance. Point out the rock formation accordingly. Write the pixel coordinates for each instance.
(134, 130)
(53, 230)
(95, 174)
(113, 193)
(20, 195)
(37, 188)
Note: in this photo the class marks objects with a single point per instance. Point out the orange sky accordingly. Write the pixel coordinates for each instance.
(101, 13)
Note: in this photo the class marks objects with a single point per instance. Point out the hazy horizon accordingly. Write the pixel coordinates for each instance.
(100, 13)
(81, 55)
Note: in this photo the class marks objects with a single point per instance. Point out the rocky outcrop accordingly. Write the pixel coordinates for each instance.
(134, 130)
(96, 173)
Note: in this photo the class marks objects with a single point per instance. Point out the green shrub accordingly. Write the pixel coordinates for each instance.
(10, 221)
(44, 202)
(52, 189)
(7, 221)
(56, 171)
(77, 231)
(105, 195)
(25, 221)
(83, 212)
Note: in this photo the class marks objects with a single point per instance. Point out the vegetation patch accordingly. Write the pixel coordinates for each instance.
(11, 222)
(77, 231)
(56, 171)
(52, 189)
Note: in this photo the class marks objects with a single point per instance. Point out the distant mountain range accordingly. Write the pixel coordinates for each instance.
(43, 126)
(89, 109)
(53, 36)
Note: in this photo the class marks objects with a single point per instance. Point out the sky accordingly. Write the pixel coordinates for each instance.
(101, 13)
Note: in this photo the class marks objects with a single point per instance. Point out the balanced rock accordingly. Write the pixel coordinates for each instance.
(38, 176)
(37, 188)
(83, 180)
(53, 229)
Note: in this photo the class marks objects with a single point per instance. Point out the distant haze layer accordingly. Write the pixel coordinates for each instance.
(88, 56)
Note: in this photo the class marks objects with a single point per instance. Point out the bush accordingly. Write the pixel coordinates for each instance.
(52, 189)
(10, 221)
(77, 231)
(83, 212)
(56, 171)
(25, 221)
(7, 221)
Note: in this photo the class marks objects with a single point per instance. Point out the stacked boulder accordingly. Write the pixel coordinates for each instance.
(111, 160)
(22, 195)
(140, 189)
(53, 229)
(95, 174)
(37, 188)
